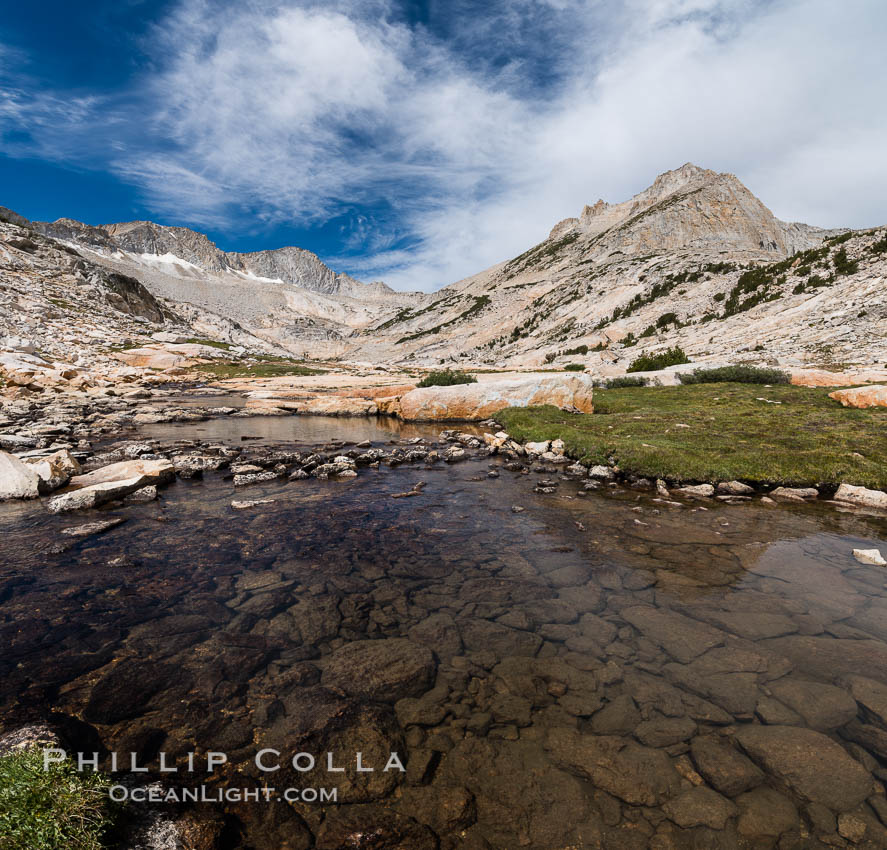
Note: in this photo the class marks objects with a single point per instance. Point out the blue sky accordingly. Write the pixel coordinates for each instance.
(419, 142)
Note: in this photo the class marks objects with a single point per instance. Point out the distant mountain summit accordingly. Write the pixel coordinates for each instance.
(689, 207)
(291, 265)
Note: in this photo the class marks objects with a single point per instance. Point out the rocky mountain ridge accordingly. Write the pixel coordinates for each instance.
(289, 264)
(287, 297)
(674, 265)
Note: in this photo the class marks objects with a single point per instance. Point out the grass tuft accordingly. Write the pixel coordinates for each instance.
(621, 382)
(212, 343)
(51, 809)
(267, 367)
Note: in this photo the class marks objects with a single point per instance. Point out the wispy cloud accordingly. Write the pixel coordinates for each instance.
(474, 133)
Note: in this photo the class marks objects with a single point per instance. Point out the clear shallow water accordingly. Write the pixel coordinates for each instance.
(304, 430)
(582, 647)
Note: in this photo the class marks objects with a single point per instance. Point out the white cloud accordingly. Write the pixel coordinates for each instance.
(297, 111)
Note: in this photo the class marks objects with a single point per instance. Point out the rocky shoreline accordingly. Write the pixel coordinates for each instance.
(50, 447)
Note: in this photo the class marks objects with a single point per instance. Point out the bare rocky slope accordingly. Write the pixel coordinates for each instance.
(61, 305)
(695, 260)
(287, 296)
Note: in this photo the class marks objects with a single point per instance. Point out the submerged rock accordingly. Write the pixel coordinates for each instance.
(723, 766)
(665, 731)
(808, 762)
(823, 707)
(638, 775)
(124, 690)
(250, 503)
(765, 812)
(93, 527)
(372, 828)
(385, 670)
(871, 695)
(700, 806)
(680, 636)
(821, 656)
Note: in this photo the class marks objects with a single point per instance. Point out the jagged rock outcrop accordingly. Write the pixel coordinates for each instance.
(11, 217)
(65, 321)
(693, 206)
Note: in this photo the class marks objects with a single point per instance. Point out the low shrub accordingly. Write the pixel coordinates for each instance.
(446, 378)
(651, 362)
(48, 809)
(574, 367)
(737, 375)
(843, 264)
(622, 382)
(212, 343)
